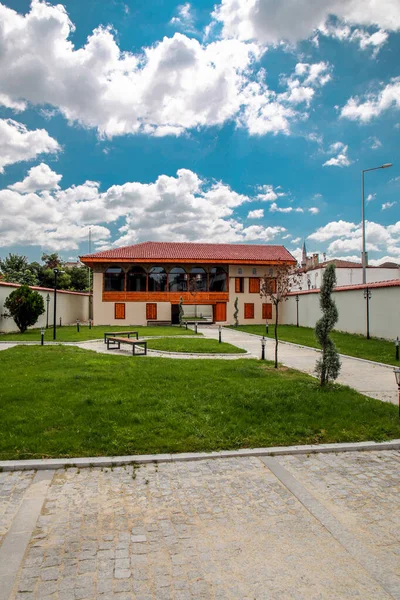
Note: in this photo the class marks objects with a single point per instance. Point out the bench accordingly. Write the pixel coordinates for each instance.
(117, 333)
(117, 341)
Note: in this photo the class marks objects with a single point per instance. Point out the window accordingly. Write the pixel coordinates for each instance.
(157, 279)
(239, 285)
(267, 311)
(119, 310)
(151, 311)
(249, 311)
(254, 285)
(198, 280)
(177, 280)
(217, 279)
(136, 280)
(271, 285)
(114, 280)
(240, 271)
(254, 271)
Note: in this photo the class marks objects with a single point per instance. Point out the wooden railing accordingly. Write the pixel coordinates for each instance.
(172, 297)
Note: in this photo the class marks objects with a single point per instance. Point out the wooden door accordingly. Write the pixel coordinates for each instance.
(151, 311)
(220, 311)
(267, 311)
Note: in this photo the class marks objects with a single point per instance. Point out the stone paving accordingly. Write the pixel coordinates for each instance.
(215, 529)
(12, 489)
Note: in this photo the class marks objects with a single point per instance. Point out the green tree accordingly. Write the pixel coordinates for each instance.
(236, 313)
(51, 261)
(79, 278)
(328, 366)
(25, 307)
(15, 269)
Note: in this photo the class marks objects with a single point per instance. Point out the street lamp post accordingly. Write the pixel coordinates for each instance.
(297, 310)
(263, 348)
(364, 256)
(47, 311)
(367, 296)
(397, 375)
(56, 272)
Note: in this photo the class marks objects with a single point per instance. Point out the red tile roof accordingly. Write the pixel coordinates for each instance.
(177, 251)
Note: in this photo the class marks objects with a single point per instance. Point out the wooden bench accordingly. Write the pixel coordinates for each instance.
(117, 333)
(117, 341)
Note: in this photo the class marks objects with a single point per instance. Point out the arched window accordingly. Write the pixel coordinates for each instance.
(136, 280)
(217, 279)
(198, 280)
(177, 280)
(157, 279)
(114, 280)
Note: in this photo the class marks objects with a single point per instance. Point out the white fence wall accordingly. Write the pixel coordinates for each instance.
(70, 307)
(384, 310)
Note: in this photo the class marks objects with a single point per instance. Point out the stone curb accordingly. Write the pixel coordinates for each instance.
(371, 362)
(104, 461)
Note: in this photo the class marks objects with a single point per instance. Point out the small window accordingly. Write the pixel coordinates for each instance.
(267, 311)
(254, 271)
(151, 311)
(119, 310)
(249, 311)
(114, 280)
(254, 285)
(240, 271)
(239, 285)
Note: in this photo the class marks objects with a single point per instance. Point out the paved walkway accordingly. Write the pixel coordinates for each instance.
(366, 377)
(317, 527)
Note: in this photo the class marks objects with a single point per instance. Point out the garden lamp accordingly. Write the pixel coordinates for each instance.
(263, 342)
(397, 375)
(42, 336)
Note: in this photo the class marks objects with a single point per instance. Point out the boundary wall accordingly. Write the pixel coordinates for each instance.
(70, 306)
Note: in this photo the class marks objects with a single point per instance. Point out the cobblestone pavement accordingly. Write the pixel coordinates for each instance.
(368, 378)
(216, 529)
(12, 489)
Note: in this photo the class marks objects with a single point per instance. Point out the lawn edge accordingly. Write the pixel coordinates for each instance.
(109, 461)
(366, 360)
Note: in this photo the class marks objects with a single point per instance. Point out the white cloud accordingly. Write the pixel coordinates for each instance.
(371, 197)
(374, 103)
(38, 178)
(270, 22)
(313, 210)
(181, 208)
(375, 143)
(341, 160)
(166, 89)
(267, 193)
(387, 205)
(256, 214)
(288, 209)
(331, 230)
(296, 240)
(287, 236)
(18, 143)
(365, 40)
(184, 18)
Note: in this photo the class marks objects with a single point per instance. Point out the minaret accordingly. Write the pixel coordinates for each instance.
(304, 256)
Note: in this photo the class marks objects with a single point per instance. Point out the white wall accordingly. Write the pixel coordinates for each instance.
(384, 309)
(347, 276)
(70, 307)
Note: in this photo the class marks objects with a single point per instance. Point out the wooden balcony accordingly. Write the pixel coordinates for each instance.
(172, 297)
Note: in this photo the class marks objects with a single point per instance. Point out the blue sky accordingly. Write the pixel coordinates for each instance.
(246, 121)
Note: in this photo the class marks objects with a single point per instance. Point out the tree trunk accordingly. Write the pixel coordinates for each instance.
(276, 335)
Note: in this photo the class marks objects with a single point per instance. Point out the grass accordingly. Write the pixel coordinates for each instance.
(347, 343)
(200, 345)
(69, 333)
(62, 401)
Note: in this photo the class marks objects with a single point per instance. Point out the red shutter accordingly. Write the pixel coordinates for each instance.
(249, 311)
(151, 311)
(119, 310)
(267, 311)
(237, 285)
(220, 311)
(254, 285)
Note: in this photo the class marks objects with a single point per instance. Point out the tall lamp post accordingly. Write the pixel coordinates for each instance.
(56, 272)
(297, 309)
(364, 257)
(47, 311)
(367, 296)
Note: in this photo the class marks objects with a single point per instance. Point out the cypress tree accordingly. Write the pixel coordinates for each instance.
(328, 366)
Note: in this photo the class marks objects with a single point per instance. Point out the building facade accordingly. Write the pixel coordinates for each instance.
(143, 284)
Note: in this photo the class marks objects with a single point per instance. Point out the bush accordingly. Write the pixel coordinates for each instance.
(25, 307)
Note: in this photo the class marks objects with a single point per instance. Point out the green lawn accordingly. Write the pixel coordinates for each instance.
(67, 402)
(354, 345)
(70, 333)
(200, 345)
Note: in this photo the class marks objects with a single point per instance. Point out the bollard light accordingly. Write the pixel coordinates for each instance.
(90, 323)
(219, 333)
(397, 376)
(396, 342)
(263, 348)
(266, 326)
(77, 325)
(186, 325)
(42, 337)
(195, 327)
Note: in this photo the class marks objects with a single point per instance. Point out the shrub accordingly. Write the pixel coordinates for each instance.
(25, 307)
